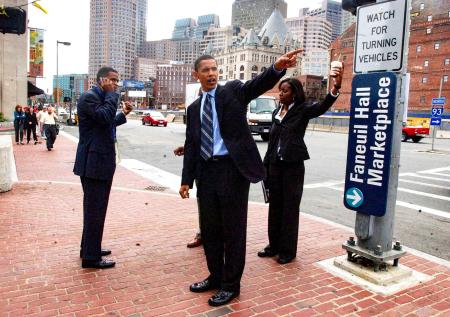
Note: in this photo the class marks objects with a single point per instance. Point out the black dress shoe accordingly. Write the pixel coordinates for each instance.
(100, 264)
(282, 260)
(267, 252)
(222, 297)
(203, 286)
(103, 252)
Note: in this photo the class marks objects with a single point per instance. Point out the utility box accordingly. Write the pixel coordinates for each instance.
(7, 165)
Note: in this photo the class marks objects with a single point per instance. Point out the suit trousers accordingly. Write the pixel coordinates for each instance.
(50, 134)
(223, 202)
(95, 202)
(285, 190)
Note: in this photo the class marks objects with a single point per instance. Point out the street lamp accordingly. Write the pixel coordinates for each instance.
(57, 70)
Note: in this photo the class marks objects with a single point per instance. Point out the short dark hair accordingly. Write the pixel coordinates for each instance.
(297, 89)
(200, 59)
(104, 71)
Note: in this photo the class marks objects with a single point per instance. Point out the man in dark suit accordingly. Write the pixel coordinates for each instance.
(220, 153)
(95, 161)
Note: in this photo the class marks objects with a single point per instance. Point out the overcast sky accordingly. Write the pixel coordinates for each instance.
(68, 20)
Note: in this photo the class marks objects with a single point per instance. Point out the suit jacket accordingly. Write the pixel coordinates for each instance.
(97, 121)
(231, 102)
(289, 133)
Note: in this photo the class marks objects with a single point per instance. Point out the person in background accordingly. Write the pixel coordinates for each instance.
(19, 120)
(30, 124)
(50, 132)
(284, 163)
(197, 240)
(41, 114)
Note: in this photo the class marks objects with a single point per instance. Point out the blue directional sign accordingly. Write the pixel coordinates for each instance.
(435, 121)
(438, 101)
(370, 142)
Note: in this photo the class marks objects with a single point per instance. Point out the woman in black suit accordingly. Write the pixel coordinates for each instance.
(284, 159)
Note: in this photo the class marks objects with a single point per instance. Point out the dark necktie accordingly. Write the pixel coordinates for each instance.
(206, 137)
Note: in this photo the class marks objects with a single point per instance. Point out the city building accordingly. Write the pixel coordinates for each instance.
(428, 58)
(312, 33)
(161, 49)
(253, 14)
(220, 38)
(315, 62)
(347, 20)
(187, 50)
(171, 80)
(184, 29)
(332, 11)
(204, 22)
(315, 87)
(256, 52)
(146, 69)
(70, 86)
(110, 41)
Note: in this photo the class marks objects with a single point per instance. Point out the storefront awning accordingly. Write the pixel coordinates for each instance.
(33, 90)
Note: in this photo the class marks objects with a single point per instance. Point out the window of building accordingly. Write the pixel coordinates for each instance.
(418, 48)
(446, 61)
(241, 76)
(428, 30)
(425, 63)
(422, 6)
(424, 80)
(437, 45)
(429, 18)
(241, 68)
(445, 78)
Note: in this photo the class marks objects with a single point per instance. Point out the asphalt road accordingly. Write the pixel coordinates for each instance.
(423, 199)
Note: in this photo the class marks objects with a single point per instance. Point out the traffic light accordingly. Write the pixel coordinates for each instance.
(352, 5)
(13, 20)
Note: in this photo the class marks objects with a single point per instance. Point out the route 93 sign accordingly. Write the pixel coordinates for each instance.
(369, 142)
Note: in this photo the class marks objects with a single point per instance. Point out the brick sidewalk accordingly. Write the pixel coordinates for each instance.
(40, 273)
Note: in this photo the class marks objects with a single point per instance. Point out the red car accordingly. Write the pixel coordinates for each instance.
(153, 118)
(415, 133)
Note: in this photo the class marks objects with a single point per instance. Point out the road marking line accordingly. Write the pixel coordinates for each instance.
(426, 177)
(424, 209)
(411, 191)
(424, 184)
(436, 170)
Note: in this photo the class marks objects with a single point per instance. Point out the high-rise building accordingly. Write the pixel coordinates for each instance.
(80, 84)
(146, 69)
(220, 38)
(188, 50)
(331, 10)
(347, 20)
(117, 29)
(252, 14)
(184, 29)
(311, 32)
(162, 49)
(204, 22)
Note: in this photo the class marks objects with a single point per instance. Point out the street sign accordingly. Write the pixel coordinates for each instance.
(435, 121)
(438, 101)
(369, 142)
(380, 35)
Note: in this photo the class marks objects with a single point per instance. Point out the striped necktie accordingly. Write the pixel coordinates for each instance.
(207, 135)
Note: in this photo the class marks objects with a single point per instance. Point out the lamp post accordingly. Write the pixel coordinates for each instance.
(57, 68)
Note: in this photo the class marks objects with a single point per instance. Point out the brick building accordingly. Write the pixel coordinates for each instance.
(428, 61)
(171, 80)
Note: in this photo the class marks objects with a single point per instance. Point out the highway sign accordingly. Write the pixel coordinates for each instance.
(435, 121)
(370, 142)
(380, 32)
(438, 101)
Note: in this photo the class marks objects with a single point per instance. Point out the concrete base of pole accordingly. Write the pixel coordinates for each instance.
(379, 260)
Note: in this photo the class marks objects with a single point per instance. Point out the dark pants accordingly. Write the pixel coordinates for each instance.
(50, 134)
(223, 197)
(31, 129)
(285, 188)
(18, 129)
(95, 202)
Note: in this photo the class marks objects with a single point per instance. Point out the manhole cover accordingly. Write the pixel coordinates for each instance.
(156, 188)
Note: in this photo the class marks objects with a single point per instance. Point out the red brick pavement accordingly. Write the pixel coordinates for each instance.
(40, 273)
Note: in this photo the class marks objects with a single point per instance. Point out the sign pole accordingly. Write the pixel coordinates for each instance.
(375, 231)
(434, 127)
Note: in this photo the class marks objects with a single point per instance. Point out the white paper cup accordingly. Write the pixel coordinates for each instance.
(335, 67)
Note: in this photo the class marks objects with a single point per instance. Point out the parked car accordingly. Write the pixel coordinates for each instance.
(153, 118)
(415, 133)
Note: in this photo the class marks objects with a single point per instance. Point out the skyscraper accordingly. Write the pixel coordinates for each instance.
(332, 11)
(252, 14)
(204, 22)
(117, 31)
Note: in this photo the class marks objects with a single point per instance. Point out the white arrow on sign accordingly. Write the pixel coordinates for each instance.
(355, 197)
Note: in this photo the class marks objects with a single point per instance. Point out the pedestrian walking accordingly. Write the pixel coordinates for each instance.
(220, 153)
(50, 128)
(95, 161)
(30, 124)
(19, 121)
(284, 163)
(41, 115)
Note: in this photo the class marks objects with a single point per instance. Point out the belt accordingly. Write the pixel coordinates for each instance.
(216, 158)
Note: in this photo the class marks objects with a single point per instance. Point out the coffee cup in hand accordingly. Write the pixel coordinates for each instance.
(335, 67)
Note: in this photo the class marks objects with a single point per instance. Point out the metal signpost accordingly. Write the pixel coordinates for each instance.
(437, 110)
(377, 105)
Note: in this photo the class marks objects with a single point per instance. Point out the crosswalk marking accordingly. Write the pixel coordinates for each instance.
(423, 184)
(411, 191)
(427, 177)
